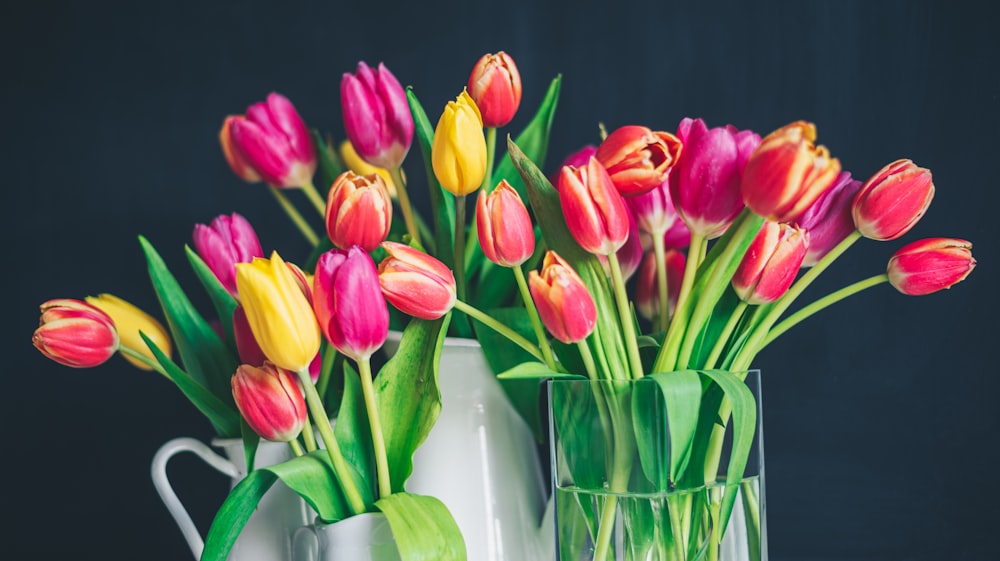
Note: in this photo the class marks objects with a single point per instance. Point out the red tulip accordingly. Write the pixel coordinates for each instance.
(228, 240)
(930, 265)
(495, 86)
(506, 234)
(647, 291)
(771, 263)
(273, 140)
(892, 201)
(348, 302)
(358, 211)
(416, 283)
(270, 400)
(595, 213)
(637, 158)
(377, 117)
(74, 333)
(564, 304)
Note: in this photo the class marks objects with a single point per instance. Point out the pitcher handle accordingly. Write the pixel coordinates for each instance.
(158, 471)
(305, 544)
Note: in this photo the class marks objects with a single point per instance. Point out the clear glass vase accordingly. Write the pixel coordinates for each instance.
(629, 488)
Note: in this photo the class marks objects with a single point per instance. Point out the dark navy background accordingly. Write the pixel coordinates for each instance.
(880, 414)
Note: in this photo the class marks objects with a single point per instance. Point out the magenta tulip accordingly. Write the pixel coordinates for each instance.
(348, 302)
(275, 142)
(595, 213)
(377, 117)
(74, 333)
(892, 201)
(771, 263)
(270, 400)
(829, 220)
(929, 265)
(226, 241)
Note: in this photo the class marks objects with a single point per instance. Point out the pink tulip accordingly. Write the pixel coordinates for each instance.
(787, 173)
(226, 241)
(637, 158)
(274, 141)
(654, 211)
(771, 263)
(629, 254)
(892, 201)
(595, 213)
(495, 86)
(564, 304)
(647, 290)
(74, 333)
(705, 183)
(580, 158)
(270, 400)
(377, 117)
(506, 234)
(678, 236)
(416, 283)
(358, 211)
(249, 349)
(829, 220)
(240, 166)
(348, 302)
(930, 265)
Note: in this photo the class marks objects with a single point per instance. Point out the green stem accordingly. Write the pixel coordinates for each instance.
(625, 314)
(309, 437)
(296, 447)
(317, 201)
(460, 245)
(824, 302)
(404, 204)
(660, 254)
(340, 467)
(500, 328)
(536, 322)
(326, 370)
(751, 509)
(605, 527)
(491, 148)
(666, 360)
(727, 331)
(295, 215)
(588, 359)
(375, 422)
(130, 352)
(756, 339)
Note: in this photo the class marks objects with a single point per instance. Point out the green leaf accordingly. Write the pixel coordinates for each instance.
(330, 165)
(234, 513)
(206, 358)
(221, 298)
(250, 442)
(533, 142)
(223, 416)
(407, 387)
(423, 528)
(442, 202)
(352, 429)
(681, 392)
(534, 371)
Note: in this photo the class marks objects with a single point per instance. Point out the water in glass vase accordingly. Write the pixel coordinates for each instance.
(678, 525)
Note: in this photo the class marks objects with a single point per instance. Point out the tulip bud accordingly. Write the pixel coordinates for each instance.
(354, 163)
(458, 154)
(892, 201)
(678, 236)
(240, 166)
(629, 254)
(74, 333)
(564, 305)
(274, 141)
(771, 263)
(654, 211)
(638, 159)
(358, 211)
(228, 240)
(505, 231)
(929, 265)
(495, 86)
(787, 173)
(416, 283)
(278, 312)
(130, 321)
(595, 213)
(705, 183)
(270, 400)
(348, 301)
(829, 220)
(377, 117)
(647, 289)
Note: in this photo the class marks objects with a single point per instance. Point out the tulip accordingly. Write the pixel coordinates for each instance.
(278, 312)
(358, 211)
(654, 211)
(273, 140)
(458, 154)
(930, 265)
(638, 159)
(270, 400)
(74, 333)
(829, 220)
(705, 183)
(505, 231)
(353, 161)
(240, 166)
(130, 321)
(348, 302)
(678, 236)
(629, 254)
(892, 201)
(770, 263)
(247, 346)
(228, 240)
(495, 86)
(787, 173)
(416, 283)
(564, 304)
(595, 213)
(377, 117)
(647, 293)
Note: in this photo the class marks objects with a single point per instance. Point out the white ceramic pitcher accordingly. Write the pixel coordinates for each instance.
(268, 533)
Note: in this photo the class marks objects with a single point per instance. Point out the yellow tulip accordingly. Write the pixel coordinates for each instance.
(129, 321)
(280, 316)
(458, 155)
(354, 162)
